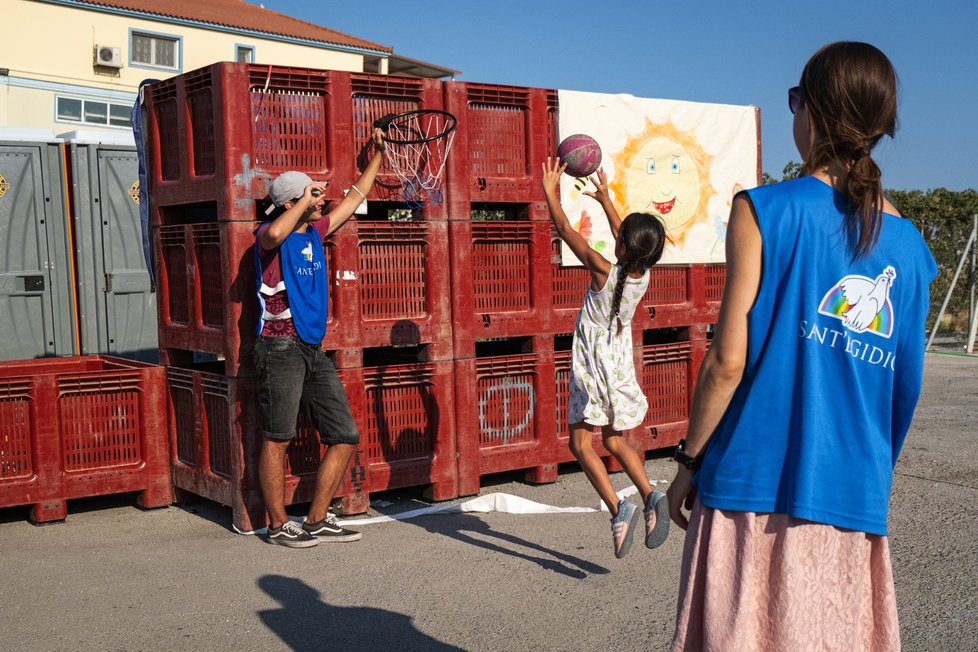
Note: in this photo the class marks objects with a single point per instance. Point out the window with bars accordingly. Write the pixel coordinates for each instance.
(155, 50)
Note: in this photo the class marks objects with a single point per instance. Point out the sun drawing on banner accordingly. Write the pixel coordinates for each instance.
(665, 171)
(3, 186)
(134, 192)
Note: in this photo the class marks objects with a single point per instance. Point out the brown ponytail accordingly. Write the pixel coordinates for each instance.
(619, 290)
(850, 91)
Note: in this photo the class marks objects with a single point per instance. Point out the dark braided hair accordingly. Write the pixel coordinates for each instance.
(850, 91)
(642, 236)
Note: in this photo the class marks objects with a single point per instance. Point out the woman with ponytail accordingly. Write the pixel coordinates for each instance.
(603, 388)
(807, 392)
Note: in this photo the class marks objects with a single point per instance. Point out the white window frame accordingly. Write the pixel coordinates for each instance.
(109, 104)
(155, 37)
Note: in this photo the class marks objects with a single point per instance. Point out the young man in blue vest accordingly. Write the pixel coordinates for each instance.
(294, 372)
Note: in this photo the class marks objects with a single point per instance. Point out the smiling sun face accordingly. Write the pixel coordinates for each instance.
(664, 171)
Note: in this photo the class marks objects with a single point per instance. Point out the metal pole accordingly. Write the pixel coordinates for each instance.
(971, 284)
(971, 335)
(970, 345)
(950, 289)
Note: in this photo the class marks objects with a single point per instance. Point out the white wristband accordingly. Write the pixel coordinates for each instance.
(363, 197)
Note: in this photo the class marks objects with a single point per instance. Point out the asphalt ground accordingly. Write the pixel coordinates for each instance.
(114, 577)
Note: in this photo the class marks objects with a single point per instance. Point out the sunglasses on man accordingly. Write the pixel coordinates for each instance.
(795, 99)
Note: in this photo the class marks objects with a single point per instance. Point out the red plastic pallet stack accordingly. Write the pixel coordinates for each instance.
(217, 137)
(450, 323)
(80, 427)
(499, 225)
(403, 311)
(502, 281)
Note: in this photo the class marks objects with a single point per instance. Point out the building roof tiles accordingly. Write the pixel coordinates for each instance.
(242, 15)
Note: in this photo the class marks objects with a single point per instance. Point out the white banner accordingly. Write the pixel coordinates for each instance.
(682, 161)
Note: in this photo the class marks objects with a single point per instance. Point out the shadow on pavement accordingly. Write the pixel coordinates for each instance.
(306, 622)
(471, 529)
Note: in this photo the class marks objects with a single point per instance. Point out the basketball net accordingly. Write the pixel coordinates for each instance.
(419, 166)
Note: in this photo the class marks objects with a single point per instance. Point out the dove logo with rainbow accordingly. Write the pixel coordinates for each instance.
(307, 270)
(861, 303)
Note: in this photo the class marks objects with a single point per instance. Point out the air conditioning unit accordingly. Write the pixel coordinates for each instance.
(108, 56)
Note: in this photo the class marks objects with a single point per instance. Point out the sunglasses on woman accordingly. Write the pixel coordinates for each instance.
(795, 99)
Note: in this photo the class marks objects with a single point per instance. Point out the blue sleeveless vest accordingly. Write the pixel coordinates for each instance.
(303, 262)
(834, 365)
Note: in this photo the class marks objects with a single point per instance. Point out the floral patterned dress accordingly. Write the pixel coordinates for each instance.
(603, 387)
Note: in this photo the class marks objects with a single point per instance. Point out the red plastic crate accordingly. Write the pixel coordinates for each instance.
(665, 373)
(505, 133)
(403, 286)
(211, 418)
(30, 464)
(207, 300)
(706, 291)
(501, 281)
(504, 408)
(215, 435)
(669, 299)
(569, 286)
(206, 290)
(408, 437)
(79, 427)
(372, 96)
(715, 277)
(403, 413)
(222, 132)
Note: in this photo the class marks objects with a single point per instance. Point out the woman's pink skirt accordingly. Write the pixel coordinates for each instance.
(774, 582)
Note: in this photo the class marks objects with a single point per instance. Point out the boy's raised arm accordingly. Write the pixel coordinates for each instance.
(345, 208)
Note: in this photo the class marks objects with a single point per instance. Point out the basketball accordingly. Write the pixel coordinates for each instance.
(581, 154)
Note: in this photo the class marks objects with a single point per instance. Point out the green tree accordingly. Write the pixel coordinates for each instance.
(792, 170)
(945, 219)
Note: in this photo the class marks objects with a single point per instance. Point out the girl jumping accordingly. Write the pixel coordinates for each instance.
(603, 388)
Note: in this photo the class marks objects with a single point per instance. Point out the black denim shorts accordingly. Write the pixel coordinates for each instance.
(293, 377)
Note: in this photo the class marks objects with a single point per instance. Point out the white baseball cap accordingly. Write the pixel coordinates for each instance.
(287, 187)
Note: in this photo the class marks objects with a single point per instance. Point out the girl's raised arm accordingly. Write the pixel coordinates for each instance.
(595, 262)
(600, 194)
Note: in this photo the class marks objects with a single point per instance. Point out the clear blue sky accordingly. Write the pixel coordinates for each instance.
(707, 51)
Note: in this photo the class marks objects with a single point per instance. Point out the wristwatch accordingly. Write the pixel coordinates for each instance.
(684, 458)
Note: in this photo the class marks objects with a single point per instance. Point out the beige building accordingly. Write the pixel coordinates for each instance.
(76, 65)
